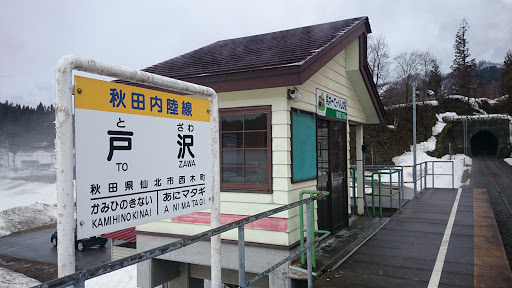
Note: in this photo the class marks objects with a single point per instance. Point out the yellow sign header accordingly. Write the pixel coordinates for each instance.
(113, 97)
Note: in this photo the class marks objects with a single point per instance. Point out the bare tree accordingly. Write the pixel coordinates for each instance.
(378, 58)
(428, 65)
(407, 71)
(426, 59)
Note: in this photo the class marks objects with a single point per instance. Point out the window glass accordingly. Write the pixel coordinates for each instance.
(255, 139)
(232, 123)
(232, 175)
(232, 140)
(256, 175)
(257, 157)
(256, 121)
(232, 157)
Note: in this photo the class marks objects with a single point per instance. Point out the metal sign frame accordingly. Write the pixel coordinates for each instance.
(65, 152)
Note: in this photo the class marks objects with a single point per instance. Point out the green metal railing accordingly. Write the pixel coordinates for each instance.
(311, 193)
(380, 195)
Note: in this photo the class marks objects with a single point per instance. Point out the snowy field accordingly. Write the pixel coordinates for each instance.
(21, 197)
(28, 191)
(9, 278)
(29, 200)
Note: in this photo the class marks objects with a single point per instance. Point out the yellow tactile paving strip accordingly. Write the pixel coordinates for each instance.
(491, 265)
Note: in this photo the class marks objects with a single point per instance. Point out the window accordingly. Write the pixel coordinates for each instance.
(245, 141)
(304, 160)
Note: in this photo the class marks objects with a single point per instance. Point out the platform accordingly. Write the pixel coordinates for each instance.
(422, 247)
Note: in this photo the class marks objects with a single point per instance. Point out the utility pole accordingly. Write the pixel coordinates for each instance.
(414, 136)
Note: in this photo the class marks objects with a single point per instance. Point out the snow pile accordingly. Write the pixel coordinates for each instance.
(441, 181)
(440, 123)
(26, 204)
(432, 103)
(22, 191)
(499, 99)
(126, 277)
(472, 101)
(13, 279)
(26, 217)
(508, 160)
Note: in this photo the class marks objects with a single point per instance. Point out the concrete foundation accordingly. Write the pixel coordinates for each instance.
(187, 267)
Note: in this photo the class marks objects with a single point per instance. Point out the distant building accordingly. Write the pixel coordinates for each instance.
(29, 164)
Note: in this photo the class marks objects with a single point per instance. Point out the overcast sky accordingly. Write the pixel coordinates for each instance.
(35, 34)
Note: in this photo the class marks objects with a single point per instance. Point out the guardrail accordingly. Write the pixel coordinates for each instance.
(425, 173)
(390, 182)
(398, 189)
(312, 220)
(79, 278)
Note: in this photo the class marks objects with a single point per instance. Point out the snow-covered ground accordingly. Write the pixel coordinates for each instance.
(126, 278)
(28, 200)
(21, 196)
(10, 279)
(460, 161)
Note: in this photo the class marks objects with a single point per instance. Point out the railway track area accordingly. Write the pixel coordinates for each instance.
(495, 176)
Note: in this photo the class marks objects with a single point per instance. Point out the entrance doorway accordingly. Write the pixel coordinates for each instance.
(332, 174)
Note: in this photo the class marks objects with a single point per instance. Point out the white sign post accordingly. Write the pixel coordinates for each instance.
(141, 156)
(64, 148)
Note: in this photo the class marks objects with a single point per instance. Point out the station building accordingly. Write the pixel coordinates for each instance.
(275, 141)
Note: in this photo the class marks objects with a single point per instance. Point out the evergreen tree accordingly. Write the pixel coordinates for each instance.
(506, 75)
(463, 68)
(435, 78)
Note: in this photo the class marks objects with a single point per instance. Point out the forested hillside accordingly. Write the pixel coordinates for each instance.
(394, 137)
(23, 126)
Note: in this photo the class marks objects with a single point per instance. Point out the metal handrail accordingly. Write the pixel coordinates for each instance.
(380, 168)
(312, 220)
(424, 173)
(391, 194)
(80, 277)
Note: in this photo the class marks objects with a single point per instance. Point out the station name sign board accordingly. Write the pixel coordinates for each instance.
(141, 156)
(331, 106)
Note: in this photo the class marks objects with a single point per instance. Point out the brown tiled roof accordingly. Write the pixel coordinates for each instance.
(294, 47)
(278, 59)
